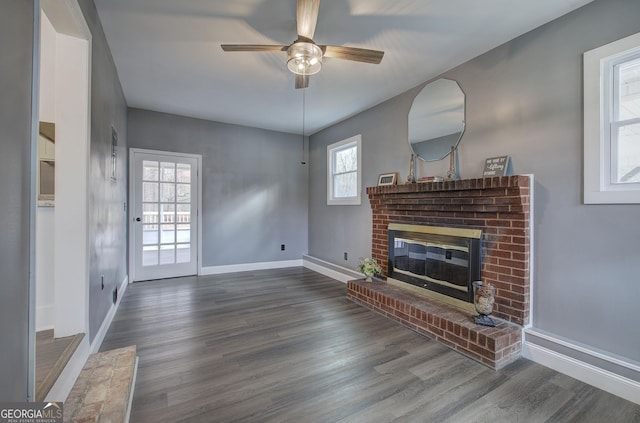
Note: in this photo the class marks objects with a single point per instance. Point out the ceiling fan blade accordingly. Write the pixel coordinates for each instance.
(353, 53)
(302, 81)
(252, 47)
(307, 17)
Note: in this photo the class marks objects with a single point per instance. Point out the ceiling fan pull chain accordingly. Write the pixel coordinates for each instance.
(303, 104)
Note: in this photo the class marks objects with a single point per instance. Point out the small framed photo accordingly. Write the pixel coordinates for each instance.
(388, 178)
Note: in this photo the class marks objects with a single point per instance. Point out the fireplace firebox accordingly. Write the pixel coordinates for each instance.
(438, 262)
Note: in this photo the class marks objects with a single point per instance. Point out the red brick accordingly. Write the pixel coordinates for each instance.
(503, 254)
(435, 330)
(482, 340)
(512, 295)
(510, 263)
(464, 332)
(479, 350)
(519, 224)
(456, 340)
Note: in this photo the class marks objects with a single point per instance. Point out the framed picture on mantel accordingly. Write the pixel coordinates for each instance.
(388, 179)
(497, 166)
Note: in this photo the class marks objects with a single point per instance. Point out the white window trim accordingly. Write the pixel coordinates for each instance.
(350, 201)
(597, 174)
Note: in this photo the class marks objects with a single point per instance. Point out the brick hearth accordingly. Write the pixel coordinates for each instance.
(495, 347)
(501, 208)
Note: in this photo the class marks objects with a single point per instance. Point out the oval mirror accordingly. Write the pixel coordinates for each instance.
(436, 120)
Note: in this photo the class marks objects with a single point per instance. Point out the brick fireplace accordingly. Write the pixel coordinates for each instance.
(500, 207)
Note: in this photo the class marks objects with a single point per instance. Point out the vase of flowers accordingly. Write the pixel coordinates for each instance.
(369, 268)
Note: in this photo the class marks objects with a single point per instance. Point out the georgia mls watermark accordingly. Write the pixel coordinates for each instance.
(31, 412)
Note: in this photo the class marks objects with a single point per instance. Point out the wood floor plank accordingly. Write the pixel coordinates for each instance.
(287, 346)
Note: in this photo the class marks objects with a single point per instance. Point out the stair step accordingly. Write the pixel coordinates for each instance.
(52, 355)
(104, 388)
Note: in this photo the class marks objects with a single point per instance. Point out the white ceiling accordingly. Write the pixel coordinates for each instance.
(168, 55)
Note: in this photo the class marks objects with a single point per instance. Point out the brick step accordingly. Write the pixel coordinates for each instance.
(494, 347)
(104, 388)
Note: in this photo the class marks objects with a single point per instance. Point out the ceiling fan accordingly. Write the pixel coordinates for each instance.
(304, 56)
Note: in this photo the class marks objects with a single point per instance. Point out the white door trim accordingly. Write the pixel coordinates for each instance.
(198, 158)
(71, 284)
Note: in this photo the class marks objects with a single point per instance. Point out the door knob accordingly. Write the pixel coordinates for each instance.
(138, 219)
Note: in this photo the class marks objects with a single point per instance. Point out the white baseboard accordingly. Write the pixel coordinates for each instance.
(246, 267)
(585, 372)
(63, 385)
(331, 270)
(104, 328)
(45, 317)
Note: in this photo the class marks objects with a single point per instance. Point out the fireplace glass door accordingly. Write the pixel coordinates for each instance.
(436, 263)
(442, 263)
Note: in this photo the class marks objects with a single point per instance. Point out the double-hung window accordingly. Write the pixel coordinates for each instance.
(612, 122)
(625, 121)
(344, 172)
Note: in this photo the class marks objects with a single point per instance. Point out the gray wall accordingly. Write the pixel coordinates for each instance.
(107, 216)
(524, 99)
(16, 64)
(254, 188)
(107, 231)
(334, 230)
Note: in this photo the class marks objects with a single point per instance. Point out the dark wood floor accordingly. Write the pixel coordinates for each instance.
(287, 346)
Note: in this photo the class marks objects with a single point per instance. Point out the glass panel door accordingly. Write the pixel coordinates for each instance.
(164, 215)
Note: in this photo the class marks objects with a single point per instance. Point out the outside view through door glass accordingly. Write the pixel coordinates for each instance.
(166, 205)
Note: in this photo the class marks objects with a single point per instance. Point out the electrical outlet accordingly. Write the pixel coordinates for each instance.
(281, 247)
(102, 281)
(346, 256)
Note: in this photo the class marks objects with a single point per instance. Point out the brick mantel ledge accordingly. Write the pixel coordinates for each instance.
(520, 181)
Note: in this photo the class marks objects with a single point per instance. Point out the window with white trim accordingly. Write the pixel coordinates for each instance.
(612, 122)
(344, 172)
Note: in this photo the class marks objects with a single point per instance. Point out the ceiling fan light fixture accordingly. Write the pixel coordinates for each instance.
(304, 58)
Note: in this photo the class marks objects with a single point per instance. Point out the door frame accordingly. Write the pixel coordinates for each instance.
(131, 217)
